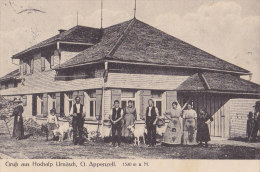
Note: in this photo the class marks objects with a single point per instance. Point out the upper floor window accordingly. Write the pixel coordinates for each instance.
(24, 68)
(31, 65)
(42, 63)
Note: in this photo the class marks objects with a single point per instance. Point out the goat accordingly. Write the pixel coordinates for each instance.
(139, 132)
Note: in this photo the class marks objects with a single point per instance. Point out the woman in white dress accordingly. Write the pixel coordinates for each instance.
(173, 131)
(189, 126)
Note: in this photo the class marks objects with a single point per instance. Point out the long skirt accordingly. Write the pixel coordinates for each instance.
(128, 121)
(18, 130)
(173, 132)
(189, 135)
(203, 133)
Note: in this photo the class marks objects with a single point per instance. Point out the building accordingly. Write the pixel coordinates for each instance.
(129, 61)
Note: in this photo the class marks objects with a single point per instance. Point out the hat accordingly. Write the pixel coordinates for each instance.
(257, 104)
(17, 100)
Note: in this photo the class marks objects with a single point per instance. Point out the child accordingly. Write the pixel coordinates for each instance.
(52, 122)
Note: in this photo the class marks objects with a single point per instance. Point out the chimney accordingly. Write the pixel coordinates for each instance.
(61, 30)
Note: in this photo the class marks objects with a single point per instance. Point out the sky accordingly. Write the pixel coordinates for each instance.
(228, 29)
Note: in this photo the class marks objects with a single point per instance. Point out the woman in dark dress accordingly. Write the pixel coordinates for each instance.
(202, 127)
(18, 129)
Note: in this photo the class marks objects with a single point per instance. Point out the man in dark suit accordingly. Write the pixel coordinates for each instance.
(77, 121)
(151, 117)
(116, 120)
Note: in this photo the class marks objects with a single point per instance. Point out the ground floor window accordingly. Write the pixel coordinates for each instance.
(157, 98)
(92, 108)
(126, 96)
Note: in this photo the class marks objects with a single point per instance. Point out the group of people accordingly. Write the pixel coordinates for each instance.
(253, 123)
(184, 127)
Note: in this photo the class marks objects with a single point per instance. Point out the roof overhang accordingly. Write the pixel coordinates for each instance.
(154, 64)
(19, 55)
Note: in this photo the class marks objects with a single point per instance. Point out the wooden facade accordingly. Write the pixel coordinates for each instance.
(129, 61)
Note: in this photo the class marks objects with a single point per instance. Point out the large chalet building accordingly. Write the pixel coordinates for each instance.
(129, 61)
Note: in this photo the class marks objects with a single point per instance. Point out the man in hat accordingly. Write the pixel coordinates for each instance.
(77, 121)
(18, 129)
(256, 121)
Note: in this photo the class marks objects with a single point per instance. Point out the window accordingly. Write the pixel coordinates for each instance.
(92, 109)
(92, 103)
(31, 65)
(52, 101)
(157, 98)
(126, 96)
(158, 104)
(24, 68)
(42, 63)
(42, 106)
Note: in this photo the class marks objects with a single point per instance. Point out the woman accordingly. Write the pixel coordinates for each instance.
(173, 131)
(203, 129)
(18, 129)
(189, 126)
(129, 119)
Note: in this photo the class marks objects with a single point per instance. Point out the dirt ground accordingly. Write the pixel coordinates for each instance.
(38, 148)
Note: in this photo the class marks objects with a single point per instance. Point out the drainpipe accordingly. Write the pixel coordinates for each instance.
(103, 96)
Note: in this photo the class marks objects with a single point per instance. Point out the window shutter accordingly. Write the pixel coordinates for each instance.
(145, 95)
(45, 104)
(98, 102)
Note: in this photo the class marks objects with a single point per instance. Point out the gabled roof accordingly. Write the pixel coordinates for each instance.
(77, 34)
(10, 75)
(208, 81)
(135, 41)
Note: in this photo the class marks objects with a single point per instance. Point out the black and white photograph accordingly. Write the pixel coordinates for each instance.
(130, 79)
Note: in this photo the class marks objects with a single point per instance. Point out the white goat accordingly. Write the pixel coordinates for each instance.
(137, 132)
(62, 130)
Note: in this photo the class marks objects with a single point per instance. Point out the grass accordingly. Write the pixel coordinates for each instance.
(38, 148)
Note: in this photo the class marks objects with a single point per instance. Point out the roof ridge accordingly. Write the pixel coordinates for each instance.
(121, 38)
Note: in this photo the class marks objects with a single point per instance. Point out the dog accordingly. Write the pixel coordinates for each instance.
(62, 131)
(139, 132)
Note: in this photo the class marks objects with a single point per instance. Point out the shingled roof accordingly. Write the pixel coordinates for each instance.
(10, 75)
(77, 34)
(136, 41)
(208, 81)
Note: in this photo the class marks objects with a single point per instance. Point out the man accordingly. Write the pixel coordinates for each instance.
(77, 121)
(256, 126)
(116, 120)
(152, 115)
